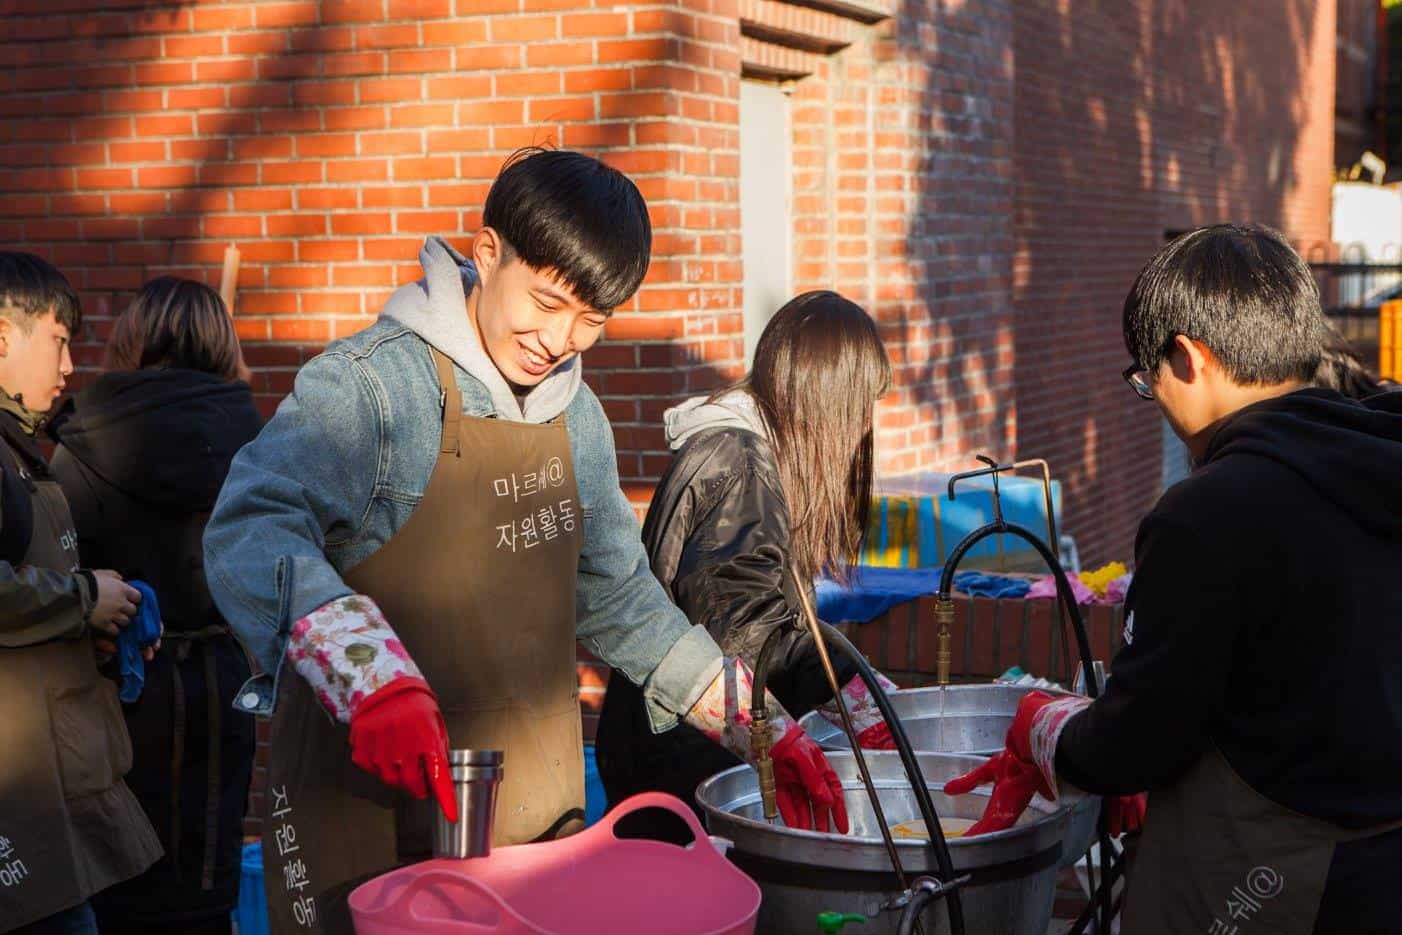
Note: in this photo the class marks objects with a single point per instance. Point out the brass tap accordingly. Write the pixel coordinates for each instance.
(944, 616)
(760, 744)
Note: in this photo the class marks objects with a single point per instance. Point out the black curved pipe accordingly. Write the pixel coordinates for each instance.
(914, 775)
(761, 673)
(1063, 586)
(1078, 626)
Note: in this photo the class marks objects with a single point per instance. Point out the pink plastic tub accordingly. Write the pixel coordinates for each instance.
(593, 883)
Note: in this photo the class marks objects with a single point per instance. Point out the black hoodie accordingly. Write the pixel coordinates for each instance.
(1267, 618)
(141, 458)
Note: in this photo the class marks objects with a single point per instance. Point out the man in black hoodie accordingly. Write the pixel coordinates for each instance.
(1260, 697)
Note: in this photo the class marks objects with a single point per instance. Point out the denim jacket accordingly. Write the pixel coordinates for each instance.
(347, 457)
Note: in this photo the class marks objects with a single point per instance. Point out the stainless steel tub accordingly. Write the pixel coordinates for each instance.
(803, 873)
(971, 720)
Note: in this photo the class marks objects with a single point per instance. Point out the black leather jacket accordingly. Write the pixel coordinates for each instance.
(717, 537)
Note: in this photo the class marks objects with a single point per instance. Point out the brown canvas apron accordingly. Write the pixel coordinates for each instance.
(1218, 858)
(69, 826)
(479, 586)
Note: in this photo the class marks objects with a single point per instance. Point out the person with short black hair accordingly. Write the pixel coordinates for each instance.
(429, 522)
(69, 826)
(1259, 698)
(141, 457)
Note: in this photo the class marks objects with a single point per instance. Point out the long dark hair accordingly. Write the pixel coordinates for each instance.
(177, 323)
(1341, 368)
(819, 369)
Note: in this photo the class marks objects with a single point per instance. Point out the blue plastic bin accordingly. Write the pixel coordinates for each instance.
(251, 913)
(914, 525)
(595, 801)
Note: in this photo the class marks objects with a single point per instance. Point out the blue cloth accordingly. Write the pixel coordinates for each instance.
(596, 800)
(981, 585)
(145, 629)
(873, 591)
(251, 912)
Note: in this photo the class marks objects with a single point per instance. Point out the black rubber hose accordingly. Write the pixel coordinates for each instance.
(921, 895)
(761, 673)
(1063, 586)
(912, 770)
(1078, 627)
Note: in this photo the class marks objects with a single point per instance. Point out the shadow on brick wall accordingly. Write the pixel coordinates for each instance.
(1125, 122)
(1132, 125)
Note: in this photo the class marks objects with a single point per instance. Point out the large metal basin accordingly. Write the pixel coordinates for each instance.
(964, 719)
(802, 873)
(970, 719)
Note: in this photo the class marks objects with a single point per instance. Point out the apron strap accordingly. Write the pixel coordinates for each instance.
(177, 754)
(213, 771)
(452, 403)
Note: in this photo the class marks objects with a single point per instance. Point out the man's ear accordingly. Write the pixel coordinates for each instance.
(1189, 358)
(488, 253)
(6, 331)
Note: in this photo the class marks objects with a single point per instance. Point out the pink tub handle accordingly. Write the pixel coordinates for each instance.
(402, 904)
(671, 803)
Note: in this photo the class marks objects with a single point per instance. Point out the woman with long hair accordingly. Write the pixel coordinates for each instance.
(141, 458)
(770, 478)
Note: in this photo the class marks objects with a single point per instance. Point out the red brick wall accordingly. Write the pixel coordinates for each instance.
(985, 179)
(1133, 119)
(1358, 124)
(327, 139)
(902, 201)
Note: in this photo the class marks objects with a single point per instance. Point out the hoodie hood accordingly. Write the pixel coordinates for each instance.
(736, 410)
(435, 308)
(1350, 451)
(161, 436)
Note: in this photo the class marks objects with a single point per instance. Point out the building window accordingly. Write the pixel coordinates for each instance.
(766, 228)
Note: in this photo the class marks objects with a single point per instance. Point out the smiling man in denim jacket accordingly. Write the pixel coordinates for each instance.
(427, 524)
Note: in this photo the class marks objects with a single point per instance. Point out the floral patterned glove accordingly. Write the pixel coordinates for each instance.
(347, 652)
(872, 732)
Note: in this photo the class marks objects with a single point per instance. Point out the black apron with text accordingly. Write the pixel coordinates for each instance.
(69, 826)
(479, 586)
(1218, 858)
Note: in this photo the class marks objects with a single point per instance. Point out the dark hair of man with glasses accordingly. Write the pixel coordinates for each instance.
(1256, 697)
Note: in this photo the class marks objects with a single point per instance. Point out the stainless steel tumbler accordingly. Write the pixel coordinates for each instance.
(476, 776)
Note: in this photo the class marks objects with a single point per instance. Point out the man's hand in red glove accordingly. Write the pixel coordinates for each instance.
(1125, 813)
(809, 792)
(1014, 781)
(1027, 764)
(397, 735)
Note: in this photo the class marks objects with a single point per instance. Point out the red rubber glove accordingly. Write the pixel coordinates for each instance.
(877, 737)
(1014, 772)
(398, 736)
(1014, 781)
(809, 792)
(1125, 813)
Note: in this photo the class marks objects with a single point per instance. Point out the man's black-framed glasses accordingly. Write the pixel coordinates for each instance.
(1138, 379)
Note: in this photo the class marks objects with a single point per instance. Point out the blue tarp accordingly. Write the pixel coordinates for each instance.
(873, 591)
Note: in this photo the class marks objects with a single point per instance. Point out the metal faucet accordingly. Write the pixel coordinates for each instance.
(761, 742)
(944, 616)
